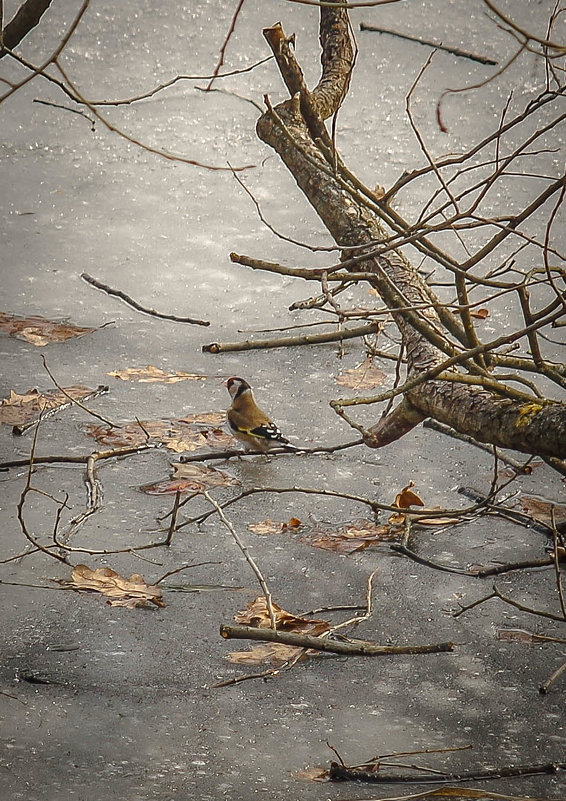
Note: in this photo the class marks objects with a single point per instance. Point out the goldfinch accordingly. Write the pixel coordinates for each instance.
(249, 423)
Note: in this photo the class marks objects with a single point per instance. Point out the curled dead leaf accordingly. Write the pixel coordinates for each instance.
(275, 654)
(515, 635)
(120, 591)
(204, 476)
(257, 614)
(407, 498)
(404, 500)
(438, 521)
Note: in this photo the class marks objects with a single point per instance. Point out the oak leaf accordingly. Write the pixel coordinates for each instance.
(40, 331)
(120, 591)
(17, 409)
(257, 614)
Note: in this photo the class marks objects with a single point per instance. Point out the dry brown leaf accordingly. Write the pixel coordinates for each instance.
(481, 314)
(515, 635)
(204, 476)
(543, 510)
(438, 521)
(273, 526)
(179, 435)
(407, 498)
(354, 536)
(150, 374)
(129, 592)
(257, 614)
(275, 654)
(38, 330)
(404, 500)
(364, 376)
(17, 409)
(168, 486)
(190, 477)
(312, 774)
(184, 443)
(205, 418)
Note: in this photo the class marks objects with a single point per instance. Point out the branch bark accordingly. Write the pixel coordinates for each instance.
(353, 648)
(534, 428)
(25, 19)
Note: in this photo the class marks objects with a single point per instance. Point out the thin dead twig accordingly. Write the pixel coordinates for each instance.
(399, 547)
(365, 615)
(175, 80)
(135, 305)
(342, 773)
(225, 43)
(249, 559)
(74, 400)
(496, 593)
(545, 687)
(27, 489)
(228, 454)
(456, 51)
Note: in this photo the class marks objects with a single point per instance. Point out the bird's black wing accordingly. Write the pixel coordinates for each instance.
(268, 431)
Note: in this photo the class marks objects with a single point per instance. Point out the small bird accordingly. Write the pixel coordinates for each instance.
(249, 423)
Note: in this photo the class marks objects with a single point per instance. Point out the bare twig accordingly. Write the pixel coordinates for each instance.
(225, 43)
(74, 400)
(341, 773)
(287, 342)
(545, 687)
(351, 648)
(456, 51)
(249, 559)
(135, 305)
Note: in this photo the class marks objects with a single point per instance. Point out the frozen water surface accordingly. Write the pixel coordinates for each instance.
(130, 711)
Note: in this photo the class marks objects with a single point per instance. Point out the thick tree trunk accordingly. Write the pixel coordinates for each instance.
(296, 131)
(25, 19)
